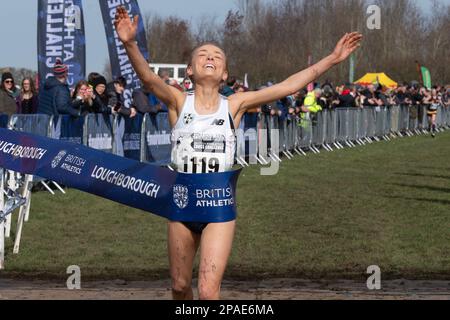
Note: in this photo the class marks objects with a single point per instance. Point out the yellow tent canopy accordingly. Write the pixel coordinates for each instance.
(382, 78)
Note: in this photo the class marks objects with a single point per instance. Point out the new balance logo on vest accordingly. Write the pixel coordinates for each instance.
(218, 122)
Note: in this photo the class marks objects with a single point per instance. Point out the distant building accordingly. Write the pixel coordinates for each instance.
(176, 71)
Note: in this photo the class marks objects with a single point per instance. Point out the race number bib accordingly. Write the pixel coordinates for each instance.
(200, 153)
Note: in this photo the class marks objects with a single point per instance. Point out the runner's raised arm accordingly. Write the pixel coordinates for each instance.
(126, 30)
(345, 47)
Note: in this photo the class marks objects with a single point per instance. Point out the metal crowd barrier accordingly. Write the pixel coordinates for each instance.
(128, 137)
(4, 119)
(247, 148)
(147, 138)
(38, 124)
(156, 143)
(99, 132)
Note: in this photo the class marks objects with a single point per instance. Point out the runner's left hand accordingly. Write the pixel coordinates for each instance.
(346, 46)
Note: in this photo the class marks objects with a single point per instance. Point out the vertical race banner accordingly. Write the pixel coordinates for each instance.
(426, 77)
(61, 35)
(310, 86)
(351, 76)
(120, 64)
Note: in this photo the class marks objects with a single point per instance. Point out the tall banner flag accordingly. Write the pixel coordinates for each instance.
(120, 63)
(246, 84)
(310, 86)
(352, 69)
(426, 76)
(61, 35)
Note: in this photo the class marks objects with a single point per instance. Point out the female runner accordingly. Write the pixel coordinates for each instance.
(207, 119)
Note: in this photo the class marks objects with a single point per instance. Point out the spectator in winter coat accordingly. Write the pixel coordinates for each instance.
(8, 94)
(54, 96)
(146, 102)
(100, 98)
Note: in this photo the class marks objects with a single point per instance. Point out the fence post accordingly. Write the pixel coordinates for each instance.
(12, 185)
(143, 137)
(274, 126)
(115, 124)
(50, 127)
(85, 131)
(21, 220)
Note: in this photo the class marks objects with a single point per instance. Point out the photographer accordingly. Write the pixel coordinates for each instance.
(270, 109)
(82, 97)
(371, 98)
(99, 96)
(116, 100)
(346, 99)
(292, 104)
(401, 97)
(328, 100)
(146, 102)
(230, 87)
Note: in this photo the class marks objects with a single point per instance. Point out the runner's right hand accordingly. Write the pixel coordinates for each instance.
(125, 28)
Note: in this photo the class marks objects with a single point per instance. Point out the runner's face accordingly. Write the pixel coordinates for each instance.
(208, 63)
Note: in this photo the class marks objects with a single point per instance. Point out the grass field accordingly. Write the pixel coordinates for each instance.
(323, 216)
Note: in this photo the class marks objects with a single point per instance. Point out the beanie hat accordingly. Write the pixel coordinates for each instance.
(59, 69)
(6, 76)
(98, 81)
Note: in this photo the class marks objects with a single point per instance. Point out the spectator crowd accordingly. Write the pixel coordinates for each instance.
(327, 96)
(96, 95)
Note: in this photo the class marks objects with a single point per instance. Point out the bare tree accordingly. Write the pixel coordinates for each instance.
(169, 40)
(271, 40)
(19, 73)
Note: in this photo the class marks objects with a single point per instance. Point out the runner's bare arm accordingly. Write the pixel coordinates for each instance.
(126, 30)
(241, 102)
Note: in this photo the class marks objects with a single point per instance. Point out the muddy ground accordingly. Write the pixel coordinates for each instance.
(276, 289)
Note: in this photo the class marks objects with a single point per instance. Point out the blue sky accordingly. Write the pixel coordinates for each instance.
(18, 26)
(20, 16)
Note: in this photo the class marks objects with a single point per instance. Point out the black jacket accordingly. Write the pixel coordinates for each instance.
(142, 103)
(54, 99)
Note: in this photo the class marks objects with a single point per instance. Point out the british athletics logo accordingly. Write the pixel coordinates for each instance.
(206, 198)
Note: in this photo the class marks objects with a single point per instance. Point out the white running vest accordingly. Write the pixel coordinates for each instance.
(203, 143)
